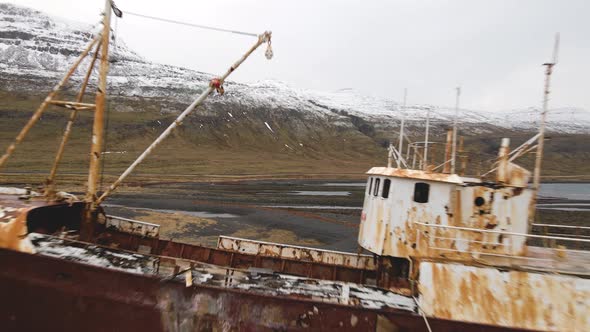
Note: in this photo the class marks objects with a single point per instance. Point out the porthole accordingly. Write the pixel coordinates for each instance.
(479, 201)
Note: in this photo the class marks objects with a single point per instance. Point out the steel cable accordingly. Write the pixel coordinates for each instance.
(200, 26)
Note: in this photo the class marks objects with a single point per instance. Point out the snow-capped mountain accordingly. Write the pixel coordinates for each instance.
(36, 49)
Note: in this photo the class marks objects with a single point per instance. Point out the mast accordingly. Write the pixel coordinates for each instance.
(541, 139)
(454, 149)
(98, 126)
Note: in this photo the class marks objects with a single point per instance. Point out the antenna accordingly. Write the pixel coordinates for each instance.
(541, 139)
(556, 49)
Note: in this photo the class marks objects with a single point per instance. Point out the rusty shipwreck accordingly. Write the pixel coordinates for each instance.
(446, 252)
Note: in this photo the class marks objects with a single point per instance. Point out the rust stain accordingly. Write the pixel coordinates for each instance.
(378, 228)
(513, 299)
(13, 232)
(299, 253)
(457, 213)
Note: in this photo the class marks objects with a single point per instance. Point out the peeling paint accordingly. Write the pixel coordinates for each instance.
(13, 231)
(415, 174)
(306, 254)
(399, 226)
(507, 298)
(133, 226)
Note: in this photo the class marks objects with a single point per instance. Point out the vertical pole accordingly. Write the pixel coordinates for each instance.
(462, 157)
(446, 167)
(401, 130)
(426, 139)
(87, 226)
(389, 155)
(541, 139)
(98, 126)
(454, 150)
(502, 172)
(397, 157)
(433, 154)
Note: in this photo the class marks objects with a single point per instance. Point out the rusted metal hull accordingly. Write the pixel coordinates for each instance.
(45, 293)
(544, 301)
(179, 306)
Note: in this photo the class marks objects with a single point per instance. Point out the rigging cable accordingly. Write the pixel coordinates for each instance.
(422, 313)
(200, 26)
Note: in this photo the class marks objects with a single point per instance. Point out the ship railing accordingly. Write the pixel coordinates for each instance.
(580, 232)
(132, 226)
(287, 251)
(553, 262)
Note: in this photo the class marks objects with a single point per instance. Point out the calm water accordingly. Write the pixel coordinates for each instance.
(321, 193)
(315, 207)
(344, 184)
(577, 191)
(563, 191)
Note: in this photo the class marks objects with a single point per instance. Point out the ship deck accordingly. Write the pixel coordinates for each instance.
(536, 258)
(191, 273)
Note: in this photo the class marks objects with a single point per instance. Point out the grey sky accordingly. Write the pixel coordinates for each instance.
(493, 49)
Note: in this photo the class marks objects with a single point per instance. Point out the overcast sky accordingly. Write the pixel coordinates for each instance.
(493, 49)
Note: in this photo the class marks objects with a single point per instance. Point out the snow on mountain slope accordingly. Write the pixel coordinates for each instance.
(35, 46)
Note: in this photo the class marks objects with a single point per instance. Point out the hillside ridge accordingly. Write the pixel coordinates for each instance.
(37, 49)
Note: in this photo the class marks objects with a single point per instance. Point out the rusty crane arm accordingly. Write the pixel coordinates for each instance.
(263, 38)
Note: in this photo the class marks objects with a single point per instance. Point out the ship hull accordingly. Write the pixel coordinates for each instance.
(46, 293)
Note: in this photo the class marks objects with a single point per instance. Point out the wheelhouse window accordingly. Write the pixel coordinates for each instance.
(421, 191)
(386, 185)
(376, 189)
(370, 186)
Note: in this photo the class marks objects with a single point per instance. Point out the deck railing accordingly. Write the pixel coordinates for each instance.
(579, 232)
(562, 256)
